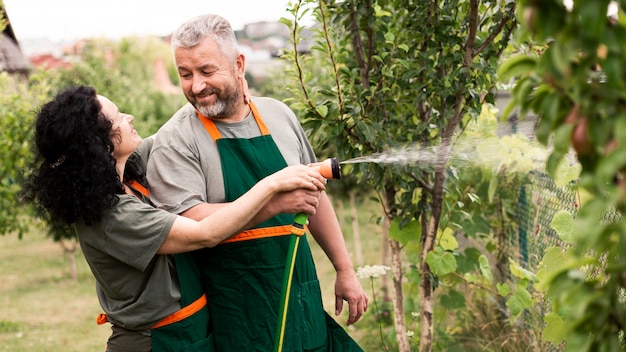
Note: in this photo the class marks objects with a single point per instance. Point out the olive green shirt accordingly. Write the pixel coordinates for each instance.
(136, 287)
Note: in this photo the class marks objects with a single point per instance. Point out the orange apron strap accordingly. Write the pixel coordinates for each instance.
(175, 317)
(139, 188)
(257, 233)
(210, 127)
(215, 134)
(259, 121)
(102, 318)
(183, 313)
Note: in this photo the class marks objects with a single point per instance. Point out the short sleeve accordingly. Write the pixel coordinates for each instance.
(176, 179)
(134, 231)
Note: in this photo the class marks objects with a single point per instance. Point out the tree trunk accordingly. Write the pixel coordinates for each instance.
(358, 249)
(502, 262)
(69, 250)
(385, 257)
(426, 291)
(341, 212)
(395, 249)
(398, 297)
(428, 240)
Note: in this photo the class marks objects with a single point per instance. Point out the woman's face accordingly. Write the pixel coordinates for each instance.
(124, 137)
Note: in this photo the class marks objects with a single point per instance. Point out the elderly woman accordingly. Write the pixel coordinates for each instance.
(153, 299)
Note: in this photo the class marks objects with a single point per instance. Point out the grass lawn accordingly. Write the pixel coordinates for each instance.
(43, 309)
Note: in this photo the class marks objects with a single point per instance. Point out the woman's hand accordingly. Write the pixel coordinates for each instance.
(297, 176)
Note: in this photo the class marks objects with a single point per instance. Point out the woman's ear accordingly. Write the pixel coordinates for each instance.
(116, 139)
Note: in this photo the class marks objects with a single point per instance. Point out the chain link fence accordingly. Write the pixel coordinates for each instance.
(539, 201)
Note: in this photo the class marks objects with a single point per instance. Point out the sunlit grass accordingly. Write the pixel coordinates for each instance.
(41, 307)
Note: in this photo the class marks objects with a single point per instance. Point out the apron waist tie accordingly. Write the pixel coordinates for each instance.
(175, 317)
(262, 232)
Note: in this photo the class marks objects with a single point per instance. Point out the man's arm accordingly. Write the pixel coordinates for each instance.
(325, 229)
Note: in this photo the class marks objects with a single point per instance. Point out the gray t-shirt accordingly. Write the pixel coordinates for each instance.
(184, 168)
(136, 287)
(143, 151)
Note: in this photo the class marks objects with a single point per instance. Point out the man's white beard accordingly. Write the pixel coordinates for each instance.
(223, 107)
(216, 110)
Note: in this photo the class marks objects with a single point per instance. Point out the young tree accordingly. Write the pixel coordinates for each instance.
(404, 74)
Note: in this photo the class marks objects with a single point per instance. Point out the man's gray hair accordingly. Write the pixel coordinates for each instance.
(195, 30)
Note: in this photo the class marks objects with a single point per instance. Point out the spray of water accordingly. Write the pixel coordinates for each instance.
(406, 155)
(488, 152)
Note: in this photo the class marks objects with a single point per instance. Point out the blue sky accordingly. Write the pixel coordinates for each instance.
(60, 20)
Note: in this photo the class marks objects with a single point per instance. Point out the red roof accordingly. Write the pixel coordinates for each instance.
(49, 62)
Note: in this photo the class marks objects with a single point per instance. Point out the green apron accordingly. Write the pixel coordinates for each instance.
(193, 333)
(244, 278)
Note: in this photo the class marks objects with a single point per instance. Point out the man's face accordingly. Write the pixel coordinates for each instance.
(209, 80)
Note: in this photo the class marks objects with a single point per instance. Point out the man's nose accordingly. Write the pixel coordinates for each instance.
(198, 85)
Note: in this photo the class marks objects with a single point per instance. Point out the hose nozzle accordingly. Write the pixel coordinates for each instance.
(329, 168)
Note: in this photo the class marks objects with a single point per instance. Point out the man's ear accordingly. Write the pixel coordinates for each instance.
(241, 65)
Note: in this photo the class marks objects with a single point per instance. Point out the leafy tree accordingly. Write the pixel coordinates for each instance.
(18, 103)
(3, 21)
(571, 72)
(404, 74)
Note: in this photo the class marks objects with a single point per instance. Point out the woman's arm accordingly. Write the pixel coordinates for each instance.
(188, 235)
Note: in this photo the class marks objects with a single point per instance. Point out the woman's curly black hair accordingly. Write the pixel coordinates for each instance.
(74, 175)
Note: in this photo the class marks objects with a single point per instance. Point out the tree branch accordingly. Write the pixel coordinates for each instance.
(494, 34)
(331, 56)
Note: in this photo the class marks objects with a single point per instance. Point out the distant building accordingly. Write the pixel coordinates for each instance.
(49, 62)
(262, 30)
(513, 123)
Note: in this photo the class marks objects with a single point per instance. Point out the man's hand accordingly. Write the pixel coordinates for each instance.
(297, 201)
(348, 288)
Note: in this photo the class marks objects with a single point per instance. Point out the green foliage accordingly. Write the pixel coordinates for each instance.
(3, 21)
(441, 262)
(563, 224)
(554, 331)
(402, 74)
(123, 71)
(18, 103)
(571, 74)
(389, 79)
(486, 215)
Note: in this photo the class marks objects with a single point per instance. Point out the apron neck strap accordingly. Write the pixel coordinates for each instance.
(138, 187)
(215, 134)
